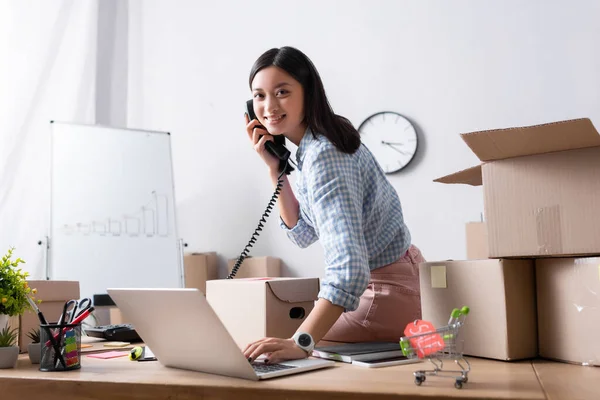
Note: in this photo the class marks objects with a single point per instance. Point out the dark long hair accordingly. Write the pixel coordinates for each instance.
(318, 114)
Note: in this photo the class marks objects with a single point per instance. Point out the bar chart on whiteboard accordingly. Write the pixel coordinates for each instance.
(112, 217)
(149, 220)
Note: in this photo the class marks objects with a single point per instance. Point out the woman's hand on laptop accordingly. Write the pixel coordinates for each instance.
(274, 349)
(317, 324)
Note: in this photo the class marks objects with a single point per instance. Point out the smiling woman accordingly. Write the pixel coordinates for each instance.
(283, 109)
(343, 199)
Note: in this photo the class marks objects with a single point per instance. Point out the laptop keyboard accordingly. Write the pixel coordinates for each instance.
(262, 368)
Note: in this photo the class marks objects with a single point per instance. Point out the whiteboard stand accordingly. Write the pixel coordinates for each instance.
(45, 242)
(181, 262)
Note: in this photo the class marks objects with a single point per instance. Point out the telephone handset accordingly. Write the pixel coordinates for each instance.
(277, 149)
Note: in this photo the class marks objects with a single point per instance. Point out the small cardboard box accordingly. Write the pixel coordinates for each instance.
(254, 308)
(199, 268)
(541, 188)
(501, 295)
(257, 267)
(568, 303)
(477, 241)
(53, 295)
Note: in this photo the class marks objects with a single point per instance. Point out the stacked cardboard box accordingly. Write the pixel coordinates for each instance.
(541, 189)
(200, 268)
(257, 267)
(53, 295)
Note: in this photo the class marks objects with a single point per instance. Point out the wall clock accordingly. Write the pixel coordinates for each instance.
(391, 138)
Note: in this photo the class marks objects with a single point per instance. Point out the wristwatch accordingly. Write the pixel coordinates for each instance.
(304, 341)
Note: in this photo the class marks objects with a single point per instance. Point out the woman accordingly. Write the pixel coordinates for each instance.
(371, 285)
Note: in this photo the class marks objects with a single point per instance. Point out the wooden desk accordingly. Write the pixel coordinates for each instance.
(123, 379)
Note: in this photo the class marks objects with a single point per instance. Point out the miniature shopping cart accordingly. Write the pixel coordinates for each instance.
(437, 345)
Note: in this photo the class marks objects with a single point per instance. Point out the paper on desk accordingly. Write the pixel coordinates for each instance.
(117, 344)
(148, 353)
(91, 339)
(103, 346)
(109, 354)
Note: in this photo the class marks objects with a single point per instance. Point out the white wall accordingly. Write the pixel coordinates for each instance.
(450, 67)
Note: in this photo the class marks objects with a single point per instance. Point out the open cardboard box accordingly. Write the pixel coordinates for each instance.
(541, 188)
(254, 308)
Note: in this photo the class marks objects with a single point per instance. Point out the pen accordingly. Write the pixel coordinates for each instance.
(76, 321)
(42, 323)
(37, 310)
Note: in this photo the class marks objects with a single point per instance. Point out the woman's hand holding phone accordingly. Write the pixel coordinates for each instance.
(258, 136)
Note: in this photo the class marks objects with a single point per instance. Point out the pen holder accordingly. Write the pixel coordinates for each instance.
(61, 347)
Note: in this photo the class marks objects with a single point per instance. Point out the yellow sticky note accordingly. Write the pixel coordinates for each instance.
(438, 276)
(116, 344)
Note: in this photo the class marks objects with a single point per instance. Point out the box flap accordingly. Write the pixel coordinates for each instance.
(470, 176)
(499, 144)
(295, 290)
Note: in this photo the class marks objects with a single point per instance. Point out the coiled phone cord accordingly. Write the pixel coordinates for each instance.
(246, 250)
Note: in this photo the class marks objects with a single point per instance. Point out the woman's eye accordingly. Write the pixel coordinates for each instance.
(257, 95)
(282, 92)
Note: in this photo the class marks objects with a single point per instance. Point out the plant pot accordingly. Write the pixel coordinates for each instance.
(35, 352)
(8, 356)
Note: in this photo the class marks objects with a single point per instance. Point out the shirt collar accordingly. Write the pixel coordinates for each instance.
(305, 142)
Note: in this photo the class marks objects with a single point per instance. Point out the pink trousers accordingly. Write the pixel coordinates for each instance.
(391, 301)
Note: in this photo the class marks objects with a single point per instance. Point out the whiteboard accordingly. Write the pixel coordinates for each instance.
(112, 213)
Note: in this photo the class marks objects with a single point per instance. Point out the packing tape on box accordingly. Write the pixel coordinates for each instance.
(548, 229)
(438, 277)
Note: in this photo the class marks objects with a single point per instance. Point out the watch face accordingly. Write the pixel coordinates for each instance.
(391, 138)
(304, 340)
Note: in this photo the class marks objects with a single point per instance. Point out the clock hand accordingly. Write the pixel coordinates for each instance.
(393, 148)
(384, 142)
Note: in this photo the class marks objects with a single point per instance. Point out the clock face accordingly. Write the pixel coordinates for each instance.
(391, 138)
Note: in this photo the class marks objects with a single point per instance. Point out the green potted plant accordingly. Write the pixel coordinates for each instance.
(34, 349)
(9, 351)
(14, 289)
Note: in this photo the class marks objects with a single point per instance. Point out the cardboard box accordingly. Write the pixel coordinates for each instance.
(13, 323)
(199, 268)
(53, 294)
(255, 308)
(257, 267)
(541, 188)
(116, 317)
(501, 295)
(477, 241)
(568, 298)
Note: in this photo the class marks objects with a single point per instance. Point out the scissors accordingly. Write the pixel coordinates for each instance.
(74, 308)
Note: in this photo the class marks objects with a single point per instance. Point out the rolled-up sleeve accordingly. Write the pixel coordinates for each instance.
(335, 192)
(301, 234)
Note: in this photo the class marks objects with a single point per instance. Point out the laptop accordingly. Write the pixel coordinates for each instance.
(183, 331)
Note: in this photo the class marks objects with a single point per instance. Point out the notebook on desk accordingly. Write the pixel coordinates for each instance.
(184, 332)
(367, 351)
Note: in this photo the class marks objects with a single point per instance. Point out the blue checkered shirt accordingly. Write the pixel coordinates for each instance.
(347, 202)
